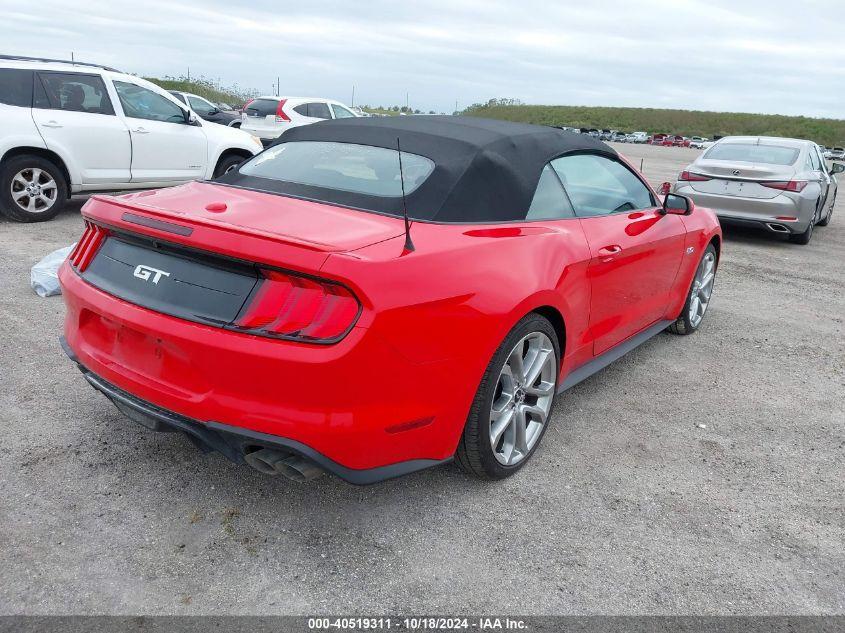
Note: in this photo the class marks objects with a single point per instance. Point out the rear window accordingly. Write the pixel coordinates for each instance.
(16, 87)
(262, 107)
(372, 171)
(753, 153)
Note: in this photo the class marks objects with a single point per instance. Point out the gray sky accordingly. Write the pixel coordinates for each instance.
(774, 56)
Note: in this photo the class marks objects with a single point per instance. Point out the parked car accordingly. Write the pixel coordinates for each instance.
(638, 137)
(619, 137)
(534, 258)
(697, 142)
(779, 184)
(268, 117)
(837, 153)
(68, 127)
(657, 139)
(207, 110)
(606, 135)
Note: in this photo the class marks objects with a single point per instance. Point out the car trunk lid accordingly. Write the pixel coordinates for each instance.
(739, 179)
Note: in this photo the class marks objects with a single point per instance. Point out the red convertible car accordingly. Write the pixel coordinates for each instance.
(375, 296)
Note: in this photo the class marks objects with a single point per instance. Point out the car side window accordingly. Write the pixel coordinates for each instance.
(16, 87)
(180, 97)
(341, 113)
(140, 103)
(598, 185)
(550, 201)
(200, 106)
(74, 92)
(815, 164)
(318, 110)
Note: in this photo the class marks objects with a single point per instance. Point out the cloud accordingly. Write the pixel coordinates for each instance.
(750, 56)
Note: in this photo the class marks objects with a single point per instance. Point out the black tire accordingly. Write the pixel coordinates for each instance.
(227, 164)
(475, 454)
(236, 125)
(682, 325)
(826, 220)
(805, 237)
(23, 163)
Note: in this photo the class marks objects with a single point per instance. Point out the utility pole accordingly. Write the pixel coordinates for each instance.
(353, 96)
(278, 85)
(406, 102)
(71, 56)
(189, 73)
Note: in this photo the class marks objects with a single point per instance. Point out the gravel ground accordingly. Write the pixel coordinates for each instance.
(629, 507)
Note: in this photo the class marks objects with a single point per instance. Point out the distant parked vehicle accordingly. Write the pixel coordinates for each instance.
(268, 117)
(605, 135)
(619, 137)
(837, 153)
(657, 139)
(591, 132)
(780, 184)
(207, 110)
(638, 137)
(697, 142)
(69, 127)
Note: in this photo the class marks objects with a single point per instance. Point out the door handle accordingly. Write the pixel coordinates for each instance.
(51, 124)
(141, 130)
(614, 249)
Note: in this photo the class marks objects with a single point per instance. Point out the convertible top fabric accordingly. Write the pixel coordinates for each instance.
(485, 170)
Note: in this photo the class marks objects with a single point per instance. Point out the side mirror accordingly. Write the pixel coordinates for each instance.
(212, 112)
(837, 168)
(665, 188)
(191, 118)
(677, 205)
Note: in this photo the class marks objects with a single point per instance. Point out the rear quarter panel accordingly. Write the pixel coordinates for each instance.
(453, 300)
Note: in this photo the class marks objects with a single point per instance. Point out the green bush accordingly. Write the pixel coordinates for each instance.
(829, 132)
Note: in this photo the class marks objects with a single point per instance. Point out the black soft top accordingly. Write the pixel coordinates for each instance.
(485, 170)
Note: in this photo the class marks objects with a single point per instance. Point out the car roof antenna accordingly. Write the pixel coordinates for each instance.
(409, 245)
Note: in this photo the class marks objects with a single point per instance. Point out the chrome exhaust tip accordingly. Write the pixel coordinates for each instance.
(777, 228)
(273, 463)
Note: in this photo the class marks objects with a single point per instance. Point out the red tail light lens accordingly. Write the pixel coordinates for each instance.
(689, 176)
(87, 246)
(300, 308)
(281, 115)
(796, 186)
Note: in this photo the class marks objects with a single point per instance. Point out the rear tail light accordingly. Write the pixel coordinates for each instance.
(281, 115)
(689, 176)
(300, 308)
(796, 186)
(87, 246)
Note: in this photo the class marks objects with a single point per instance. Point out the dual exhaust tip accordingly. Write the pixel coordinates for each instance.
(272, 462)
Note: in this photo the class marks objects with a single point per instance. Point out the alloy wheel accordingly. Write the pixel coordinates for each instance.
(702, 288)
(34, 190)
(523, 398)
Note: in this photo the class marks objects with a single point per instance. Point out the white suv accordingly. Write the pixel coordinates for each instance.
(268, 117)
(71, 128)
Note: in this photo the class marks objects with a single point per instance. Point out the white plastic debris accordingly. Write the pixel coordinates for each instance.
(701, 426)
(44, 276)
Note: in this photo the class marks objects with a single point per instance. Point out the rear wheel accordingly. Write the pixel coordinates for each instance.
(514, 401)
(32, 189)
(228, 164)
(698, 298)
(805, 237)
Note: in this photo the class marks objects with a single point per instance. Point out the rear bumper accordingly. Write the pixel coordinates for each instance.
(761, 213)
(233, 442)
(360, 403)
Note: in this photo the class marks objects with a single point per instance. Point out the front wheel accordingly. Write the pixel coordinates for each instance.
(826, 220)
(699, 295)
(513, 403)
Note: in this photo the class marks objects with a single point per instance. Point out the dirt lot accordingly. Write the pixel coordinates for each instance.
(628, 507)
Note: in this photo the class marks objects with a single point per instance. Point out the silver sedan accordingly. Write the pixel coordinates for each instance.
(779, 184)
